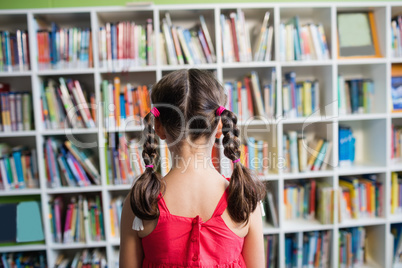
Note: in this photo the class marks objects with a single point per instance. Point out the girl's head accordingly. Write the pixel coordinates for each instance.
(187, 101)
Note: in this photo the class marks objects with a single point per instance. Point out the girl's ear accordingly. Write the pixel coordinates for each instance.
(219, 130)
(159, 130)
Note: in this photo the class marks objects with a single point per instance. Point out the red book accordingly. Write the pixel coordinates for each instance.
(312, 198)
(234, 35)
(249, 95)
(97, 224)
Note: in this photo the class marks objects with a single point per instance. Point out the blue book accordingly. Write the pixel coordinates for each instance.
(122, 107)
(113, 41)
(354, 95)
(299, 96)
(7, 48)
(251, 149)
(69, 173)
(291, 79)
(53, 47)
(396, 93)
(297, 38)
(18, 166)
(187, 37)
(49, 162)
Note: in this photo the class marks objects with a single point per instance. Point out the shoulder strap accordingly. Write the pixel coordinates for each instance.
(222, 205)
(162, 205)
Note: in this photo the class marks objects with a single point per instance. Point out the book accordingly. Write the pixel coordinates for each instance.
(14, 51)
(352, 246)
(355, 96)
(27, 259)
(396, 93)
(84, 258)
(271, 249)
(346, 146)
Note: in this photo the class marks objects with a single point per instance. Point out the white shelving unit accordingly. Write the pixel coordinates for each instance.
(372, 131)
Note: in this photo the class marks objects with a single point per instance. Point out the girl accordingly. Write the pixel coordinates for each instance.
(193, 217)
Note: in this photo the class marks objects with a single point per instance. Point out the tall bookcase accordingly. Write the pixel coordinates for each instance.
(372, 131)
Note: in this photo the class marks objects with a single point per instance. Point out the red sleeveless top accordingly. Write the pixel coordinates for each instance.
(178, 242)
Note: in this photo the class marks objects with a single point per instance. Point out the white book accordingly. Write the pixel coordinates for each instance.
(261, 34)
(316, 42)
(294, 163)
(269, 43)
(86, 222)
(299, 249)
(3, 172)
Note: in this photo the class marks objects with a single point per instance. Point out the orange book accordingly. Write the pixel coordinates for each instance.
(249, 95)
(92, 108)
(369, 197)
(318, 252)
(140, 101)
(127, 105)
(117, 100)
(147, 99)
(90, 56)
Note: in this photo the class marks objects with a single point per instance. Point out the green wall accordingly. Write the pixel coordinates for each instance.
(10, 4)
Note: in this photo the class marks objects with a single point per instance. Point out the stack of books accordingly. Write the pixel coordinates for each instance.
(308, 199)
(63, 48)
(271, 250)
(302, 155)
(299, 99)
(346, 146)
(124, 105)
(396, 234)
(18, 168)
(355, 96)
(78, 220)
(115, 208)
(396, 193)
(396, 142)
(65, 105)
(67, 165)
(396, 36)
(14, 51)
(23, 259)
(125, 44)
(16, 110)
(310, 249)
(361, 197)
(302, 42)
(236, 45)
(186, 46)
(249, 98)
(124, 159)
(254, 155)
(85, 258)
(352, 247)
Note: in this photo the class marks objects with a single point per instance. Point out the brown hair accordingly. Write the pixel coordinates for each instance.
(196, 95)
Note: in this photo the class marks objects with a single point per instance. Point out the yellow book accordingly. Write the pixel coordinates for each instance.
(354, 196)
(307, 99)
(111, 210)
(117, 100)
(74, 219)
(372, 195)
(242, 154)
(394, 192)
(314, 154)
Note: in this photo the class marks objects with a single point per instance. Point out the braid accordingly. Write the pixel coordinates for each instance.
(245, 191)
(144, 193)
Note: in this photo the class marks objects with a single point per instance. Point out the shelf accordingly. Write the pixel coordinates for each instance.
(361, 222)
(122, 187)
(303, 225)
(307, 63)
(95, 244)
(269, 177)
(69, 131)
(311, 119)
(396, 60)
(127, 129)
(308, 174)
(360, 169)
(395, 218)
(396, 166)
(17, 134)
(396, 115)
(23, 248)
(15, 73)
(186, 66)
(361, 61)
(66, 72)
(352, 117)
(68, 190)
(269, 229)
(254, 64)
(19, 192)
(129, 70)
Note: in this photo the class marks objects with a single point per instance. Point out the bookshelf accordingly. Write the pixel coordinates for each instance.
(372, 131)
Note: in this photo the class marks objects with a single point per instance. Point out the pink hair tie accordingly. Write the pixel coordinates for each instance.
(155, 112)
(220, 110)
(235, 161)
(149, 166)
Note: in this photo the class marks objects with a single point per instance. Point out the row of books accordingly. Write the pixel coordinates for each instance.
(299, 98)
(14, 51)
(396, 235)
(361, 197)
(125, 44)
(23, 259)
(236, 45)
(67, 165)
(355, 96)
(396, 142)
(83, 259)
(346, 146)
(396, 92)
(311, 249)
(61, 48)
(309, 199)
(124, 159)
(115, 208)
(271, 250)
(79, 219)
(302, 42)
(249, 98)
(352, 247)
(301, 155)
(67, 105)
(396, 36)
(186, 46)
(124, 105)
(18, 168)
(254, 155)
(16, 110)
(396, 193)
